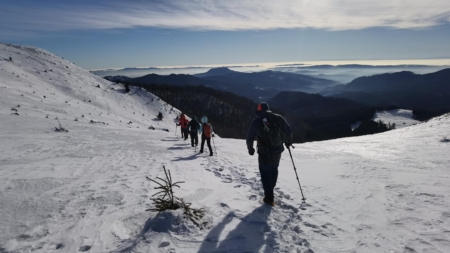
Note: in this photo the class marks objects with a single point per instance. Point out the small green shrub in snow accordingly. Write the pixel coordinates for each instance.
(60, 128)
(166, 200)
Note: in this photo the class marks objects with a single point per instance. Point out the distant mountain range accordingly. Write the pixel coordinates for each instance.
(116, 78)
(216, 72)
(327, 116)
(402, 89)
(256, 86)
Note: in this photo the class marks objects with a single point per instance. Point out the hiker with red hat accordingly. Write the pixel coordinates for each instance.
(207, 132)
(271, 131)
(183, 122)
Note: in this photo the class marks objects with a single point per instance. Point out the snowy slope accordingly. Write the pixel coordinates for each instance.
(85, 190)
(44, 84)
(401, 117)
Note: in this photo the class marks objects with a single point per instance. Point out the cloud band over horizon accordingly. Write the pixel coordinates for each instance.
(230, 15)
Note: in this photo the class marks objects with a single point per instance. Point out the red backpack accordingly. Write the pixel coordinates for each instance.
(207, 130)
(183, 122)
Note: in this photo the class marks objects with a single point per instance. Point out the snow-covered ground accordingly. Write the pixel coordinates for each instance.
(85, 190)
(400, 117)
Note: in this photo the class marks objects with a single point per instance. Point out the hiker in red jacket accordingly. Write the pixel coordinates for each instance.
(207, 132)
(183, 122)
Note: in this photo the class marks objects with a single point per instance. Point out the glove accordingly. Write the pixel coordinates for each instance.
(288, 144)
(212, 135)
(251, 151)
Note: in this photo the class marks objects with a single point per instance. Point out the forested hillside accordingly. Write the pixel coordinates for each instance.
(229, 113)
(329, 117)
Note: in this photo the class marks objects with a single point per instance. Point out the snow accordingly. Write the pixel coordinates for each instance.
(401, 117)
(85, 190)
(355, 125)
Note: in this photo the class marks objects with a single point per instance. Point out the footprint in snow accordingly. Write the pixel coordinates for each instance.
(164, 244)
(252, 197)
(310, 225)
(85, 248)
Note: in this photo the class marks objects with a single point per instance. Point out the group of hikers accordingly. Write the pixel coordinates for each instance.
(270, 130)
(193, 128)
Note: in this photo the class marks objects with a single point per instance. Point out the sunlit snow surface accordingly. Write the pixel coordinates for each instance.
(400, 117)
(85, 190)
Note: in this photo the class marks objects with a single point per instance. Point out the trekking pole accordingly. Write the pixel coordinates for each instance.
(303, 199)
(214, 145)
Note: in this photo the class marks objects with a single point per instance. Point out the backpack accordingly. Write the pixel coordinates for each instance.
(207, 130)
(273, 135)
(183, 122)
(194, 126)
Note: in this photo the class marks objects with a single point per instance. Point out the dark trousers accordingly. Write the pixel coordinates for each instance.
(194, 139)
(268, 168)
(184, 133)
(208, 141)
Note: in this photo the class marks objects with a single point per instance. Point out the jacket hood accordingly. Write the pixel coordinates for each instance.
(204, 119)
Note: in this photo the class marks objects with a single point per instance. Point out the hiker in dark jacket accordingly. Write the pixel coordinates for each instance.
(269, 145)
(207, 132)
(194, 129)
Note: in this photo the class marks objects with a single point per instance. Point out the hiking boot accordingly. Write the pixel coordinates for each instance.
(270, 203)
(211, 154)
(201, 151)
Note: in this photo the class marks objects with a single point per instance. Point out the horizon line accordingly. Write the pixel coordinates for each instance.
(437, 62)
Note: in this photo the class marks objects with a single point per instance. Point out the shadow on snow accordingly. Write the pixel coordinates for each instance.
(192, 157)
(250, 235)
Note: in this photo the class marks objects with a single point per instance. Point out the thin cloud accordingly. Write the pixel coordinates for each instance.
(229, 15)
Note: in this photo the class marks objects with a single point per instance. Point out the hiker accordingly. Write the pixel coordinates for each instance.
(207, 132)
(160, 116)
(271, 131)
(194, 129)
(183, 122)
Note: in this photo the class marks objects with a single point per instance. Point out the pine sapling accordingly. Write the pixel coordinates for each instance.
(61, 128)
(166, 199)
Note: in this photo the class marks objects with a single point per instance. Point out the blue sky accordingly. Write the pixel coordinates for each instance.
(116, 34)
